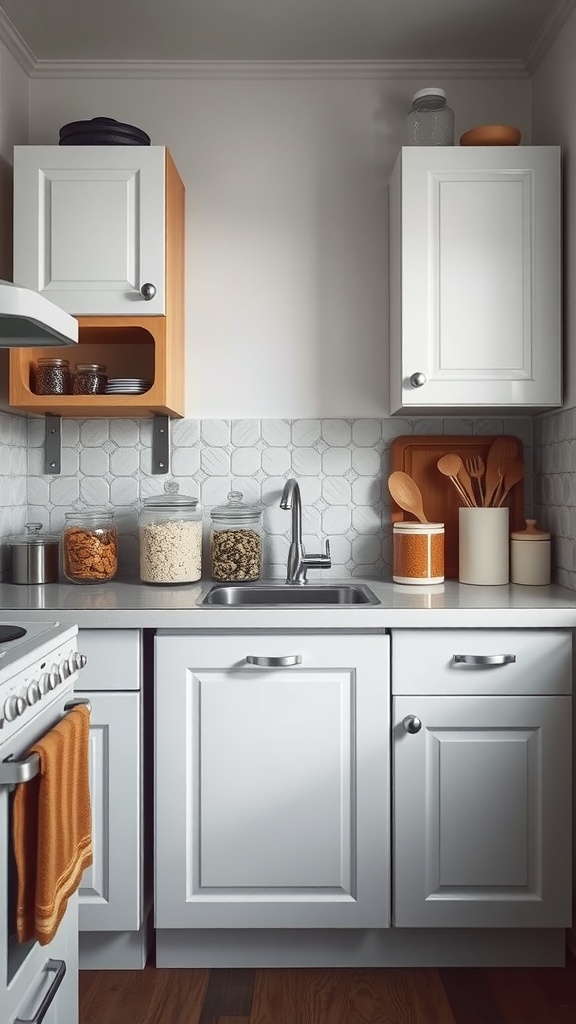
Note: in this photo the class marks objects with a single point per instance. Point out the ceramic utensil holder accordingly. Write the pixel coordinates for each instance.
(483, 546)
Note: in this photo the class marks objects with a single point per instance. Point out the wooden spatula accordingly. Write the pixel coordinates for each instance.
(501, 453)
(512, 475)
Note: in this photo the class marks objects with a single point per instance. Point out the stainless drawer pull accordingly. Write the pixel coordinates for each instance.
(483, 659)
(289, 659)
(51, 965)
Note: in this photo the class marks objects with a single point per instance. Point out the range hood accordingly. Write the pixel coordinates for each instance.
(28, 319)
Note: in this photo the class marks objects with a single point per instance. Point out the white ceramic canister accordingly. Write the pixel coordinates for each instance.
(418, 553)
(483, 546)
(530, 556)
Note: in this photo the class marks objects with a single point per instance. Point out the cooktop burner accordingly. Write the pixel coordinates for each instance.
(11, 633)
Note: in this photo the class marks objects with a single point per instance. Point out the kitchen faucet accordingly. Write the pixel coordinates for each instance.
(298, 560)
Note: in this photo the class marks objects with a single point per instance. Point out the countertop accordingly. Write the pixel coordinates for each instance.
(125, 604)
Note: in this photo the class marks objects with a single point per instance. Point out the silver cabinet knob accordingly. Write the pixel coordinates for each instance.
(417, 380)
(148, 291)
(412, 724)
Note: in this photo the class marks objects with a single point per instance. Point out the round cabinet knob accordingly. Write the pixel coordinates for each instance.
(33, 693)
(44, 684)
(417, 380)
(148, 291)
(10, 709)
(412, 724)
(20, 706)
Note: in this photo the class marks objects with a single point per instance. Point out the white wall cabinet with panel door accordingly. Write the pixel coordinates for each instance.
(112, 907)
(272, 778)
(475, 272)
(481, 726)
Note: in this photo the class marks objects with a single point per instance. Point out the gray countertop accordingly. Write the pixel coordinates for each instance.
(131, 604)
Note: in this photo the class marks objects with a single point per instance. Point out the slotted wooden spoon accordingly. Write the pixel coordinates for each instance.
(407, 494)
(501, 453)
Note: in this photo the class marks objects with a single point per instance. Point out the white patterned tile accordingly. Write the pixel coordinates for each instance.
(336, 490)
(214, 491)
(124, 491)
(306, 462)
(95, 492)
(336, 461)
(276, 519)
(276, 461)
(366, 461)
(146, 433)
(276, 550)
(185, 433)
(185, 461)
(271, 490)
(215, 461)
(522, 428)
(124, 432)
(215, 433)
(340, 550)
(366, 549)
(94, 462)
(365, 519)
(337, 433)
(366, 491)
(38, 491)
(366, 432)
(305, 432)
(336, 519)
(64, 490)
(35, 461)
(310, 490)
(124, 461)
(481, 425)
(275, 432)
(430, 426)
(245, 432)
(93, 433)
(18, 492)
(69, 461)
(70, 432)
(248, 487)
(245, 461)
(36, 432)
(392, 428)
(311, 520)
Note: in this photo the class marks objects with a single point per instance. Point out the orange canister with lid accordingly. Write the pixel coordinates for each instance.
(418, 553)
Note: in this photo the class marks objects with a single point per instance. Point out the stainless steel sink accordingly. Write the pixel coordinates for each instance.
(240, 595)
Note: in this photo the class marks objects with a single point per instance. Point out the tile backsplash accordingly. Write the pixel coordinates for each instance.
(341, 465)
(555, 489)
(13, 480)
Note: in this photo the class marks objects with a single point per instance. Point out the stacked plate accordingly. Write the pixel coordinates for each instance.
(127, 386)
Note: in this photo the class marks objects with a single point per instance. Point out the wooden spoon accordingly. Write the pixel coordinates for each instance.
(449, 465)
(501, 452)
(513, 473)
(407, 494)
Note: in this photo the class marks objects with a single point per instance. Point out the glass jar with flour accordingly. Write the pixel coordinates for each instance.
(170, 535)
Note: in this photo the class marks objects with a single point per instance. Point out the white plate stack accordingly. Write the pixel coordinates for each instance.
(127, 386)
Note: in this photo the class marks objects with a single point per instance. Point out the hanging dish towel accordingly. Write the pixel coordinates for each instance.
(52, 830)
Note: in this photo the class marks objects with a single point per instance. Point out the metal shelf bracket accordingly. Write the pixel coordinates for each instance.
(52, 443)
(161, 444)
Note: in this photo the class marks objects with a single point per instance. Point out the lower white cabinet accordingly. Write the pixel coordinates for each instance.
(272, 781)
(482, 779)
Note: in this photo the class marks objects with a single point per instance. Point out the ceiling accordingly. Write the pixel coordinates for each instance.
(276, 30)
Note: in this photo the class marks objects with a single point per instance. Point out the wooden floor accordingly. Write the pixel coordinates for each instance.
(315, 996)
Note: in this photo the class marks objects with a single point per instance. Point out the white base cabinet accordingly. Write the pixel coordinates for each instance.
(272, 781)
(482, 783)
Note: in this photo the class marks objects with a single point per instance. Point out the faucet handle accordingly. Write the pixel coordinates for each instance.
(327, 554)
(320, 561)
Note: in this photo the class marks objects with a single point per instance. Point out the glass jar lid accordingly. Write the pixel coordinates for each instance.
(431, 93)
(90, 515)
(33, 537)
(52, 361)
(171, 498)
(236, 510)
(92, 367)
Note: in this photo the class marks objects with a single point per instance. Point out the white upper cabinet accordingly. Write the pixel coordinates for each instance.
(89, 227)
(475, 300)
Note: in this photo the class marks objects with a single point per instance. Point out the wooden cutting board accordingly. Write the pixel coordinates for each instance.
(418, 456)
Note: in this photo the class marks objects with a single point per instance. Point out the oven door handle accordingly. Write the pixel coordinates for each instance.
(59, 967)
(13, 771)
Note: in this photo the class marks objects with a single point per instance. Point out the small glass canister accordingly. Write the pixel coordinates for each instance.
(90, 546)
(418, 553)
(170, 537)
(52, 376)
(430, 122)
(236, 540)
(530, 556)
(89, 379)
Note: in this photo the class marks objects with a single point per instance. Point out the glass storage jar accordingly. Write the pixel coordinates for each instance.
(89, 379)
(90, 546)
(430, 122)
(236, 540)
(52, 376)
(170, 537)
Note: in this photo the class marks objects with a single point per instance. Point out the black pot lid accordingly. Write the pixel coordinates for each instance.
(102, 128)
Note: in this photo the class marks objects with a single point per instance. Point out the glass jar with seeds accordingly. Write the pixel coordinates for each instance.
(170, 533)
(236, 540)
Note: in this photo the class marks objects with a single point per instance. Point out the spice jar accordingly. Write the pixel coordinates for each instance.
(52, 376)
(236, 540)
(170, 537)
(90, 546)
(89, 379)
(418, 553)
(530, 556)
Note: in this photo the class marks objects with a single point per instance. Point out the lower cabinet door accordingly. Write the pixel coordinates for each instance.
(482, 811)
(272, 782)
(111, 890)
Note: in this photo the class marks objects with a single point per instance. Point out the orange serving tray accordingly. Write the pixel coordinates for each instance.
(418, 456)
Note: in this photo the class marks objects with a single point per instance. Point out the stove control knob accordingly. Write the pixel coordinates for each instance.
(20, 706)
(33, 693)
(80, 661)
(63, 671)
(10, 709)
(44, 684)
(53, 678)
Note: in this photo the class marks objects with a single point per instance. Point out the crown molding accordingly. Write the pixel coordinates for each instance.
(550, 29)
(226, 69)
(16, 45)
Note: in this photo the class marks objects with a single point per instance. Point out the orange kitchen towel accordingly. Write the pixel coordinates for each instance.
(52, 829)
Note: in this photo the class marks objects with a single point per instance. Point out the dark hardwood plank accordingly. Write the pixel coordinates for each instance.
(558, 988)
(225, 1020)
(229, 993)
(349, 996)
(470, 996)
(142, 997)
(520, 999)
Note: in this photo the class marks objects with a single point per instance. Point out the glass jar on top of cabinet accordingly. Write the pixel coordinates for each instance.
(236, 540)
(170, 537)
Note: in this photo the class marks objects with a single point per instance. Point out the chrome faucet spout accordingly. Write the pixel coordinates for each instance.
(298, 561)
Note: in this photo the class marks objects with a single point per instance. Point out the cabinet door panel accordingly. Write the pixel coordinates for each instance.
(111, 890)
(482, 812)
(271, 784)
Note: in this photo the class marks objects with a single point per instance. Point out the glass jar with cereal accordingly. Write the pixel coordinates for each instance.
(236, 540)
(170, 537)
(90, 546)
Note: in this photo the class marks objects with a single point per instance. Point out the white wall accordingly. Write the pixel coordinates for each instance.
(287, 300)
(554, 121)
